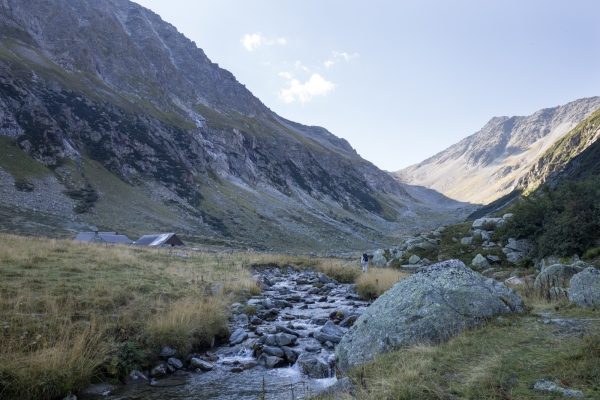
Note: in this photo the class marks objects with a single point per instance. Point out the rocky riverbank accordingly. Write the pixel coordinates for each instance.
(282, 345)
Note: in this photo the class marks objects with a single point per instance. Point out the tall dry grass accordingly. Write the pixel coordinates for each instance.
(377, 281)
(70, 310)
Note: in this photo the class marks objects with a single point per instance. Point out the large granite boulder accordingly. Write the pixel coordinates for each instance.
(490, 223)
(585, 287)
(379, 259)
(430, 306)
(557, 275)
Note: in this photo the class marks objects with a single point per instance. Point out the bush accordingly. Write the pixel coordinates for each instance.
(562, 221)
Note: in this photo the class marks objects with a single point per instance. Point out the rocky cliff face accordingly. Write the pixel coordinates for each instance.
(129, 120)
(490, 163)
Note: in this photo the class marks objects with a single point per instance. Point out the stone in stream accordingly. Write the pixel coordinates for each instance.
(238, 336)
(313, 366)
(250, 364)
(269, 361)
(330, 332)
(256, 321)
(431, 306)
(280, 339)
(324, 279)
(348, 321)
(175, 363)
(273, 351)
(290, 355)
(236, 369)
(158, 371)
(201, 364)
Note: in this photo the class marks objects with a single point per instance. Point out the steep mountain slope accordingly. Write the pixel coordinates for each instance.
(489, 164)
(133, 128)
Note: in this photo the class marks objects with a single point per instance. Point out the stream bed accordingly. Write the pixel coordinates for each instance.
(284, 351)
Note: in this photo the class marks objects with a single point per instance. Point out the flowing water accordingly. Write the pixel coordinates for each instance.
(302, 308)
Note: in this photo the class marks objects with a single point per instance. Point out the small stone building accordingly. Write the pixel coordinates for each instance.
(160, 239)
(102, 237)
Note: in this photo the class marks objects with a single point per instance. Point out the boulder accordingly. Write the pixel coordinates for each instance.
(488, 223)
(585, 287)
(379, 259)
(175, 363)
(280, 339)
(341, 389)
(493, 258)
(557, 275)
(324, 279)
(238, 336)
(158, 371)
(431, 306)
(428, 246)
(480, 262)
(313, 366)
(466, 240)
(167, 352)
(513, 256)
(269, 361)
(290, 354)
(414, 259)
(273, 351)
(203, 365)
(329, 333)
(522, 245)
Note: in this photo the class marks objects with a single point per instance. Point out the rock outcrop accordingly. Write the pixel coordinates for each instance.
(585, 287)
(430, 306)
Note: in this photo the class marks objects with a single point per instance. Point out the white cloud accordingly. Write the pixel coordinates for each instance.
(338, 56)
(345, 56)
(304, 92)
(286, 75)
(256, 40)
(251, 42)
(299, 65)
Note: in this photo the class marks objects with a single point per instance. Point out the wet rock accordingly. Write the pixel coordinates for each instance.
(273, 351)
(269, 361)
(329, 333)
(313, 348)
(236, 369)
(136, 377)
(238, 336)
(319, 321)
(348, 321)
(324, 279)
(250, 364)
(290, 355)
(241, 319)
(340, 389)
(585, 287)
(175, 363)
(256, 321)
(313, 366)
(167, 352)
(158, 371)
(201, 364)
(430, 306)
(280, 339)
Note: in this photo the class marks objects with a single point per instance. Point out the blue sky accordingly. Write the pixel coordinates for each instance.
(399, 80)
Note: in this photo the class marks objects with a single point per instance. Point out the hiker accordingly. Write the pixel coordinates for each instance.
(365, 262)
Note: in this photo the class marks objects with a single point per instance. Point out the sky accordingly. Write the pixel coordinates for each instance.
(401, 81)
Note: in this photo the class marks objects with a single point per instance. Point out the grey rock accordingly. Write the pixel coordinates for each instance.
(280, 339)
(558, 275)
(585, 287)
(175, 363)
(514, 256)
(549, 386)
(238, 336)
(273, 351)
(313, 366)
(480, 262)
(201, 364)
(329, 333)
(136, 376)
(167, 352)
(493, 258)
(379, 259)
(324, 279)
(158, 371)
(430, 306)
(290, 355)
(269, 361)
(521, 245)
(482, 222)
(466, 240)
(340, 389)
(414, 259)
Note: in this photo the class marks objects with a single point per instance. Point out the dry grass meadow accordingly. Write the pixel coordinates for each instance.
(72, 313)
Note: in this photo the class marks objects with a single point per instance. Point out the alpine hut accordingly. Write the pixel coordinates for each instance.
(160, 239)
(102, 237)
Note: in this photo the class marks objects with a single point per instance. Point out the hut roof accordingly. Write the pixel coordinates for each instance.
(159, 239)
(102, 237)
